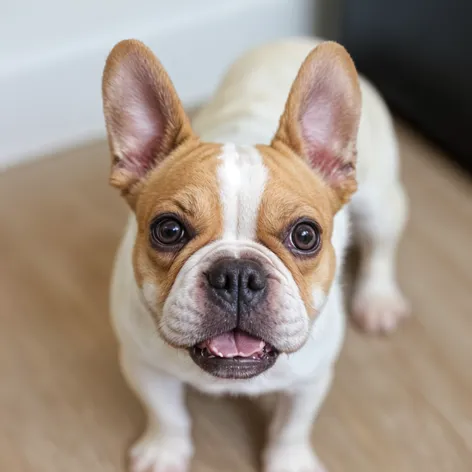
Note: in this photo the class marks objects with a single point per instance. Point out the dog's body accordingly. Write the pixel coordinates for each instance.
(244, 112)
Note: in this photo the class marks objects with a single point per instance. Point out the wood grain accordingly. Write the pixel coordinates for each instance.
(402, 403)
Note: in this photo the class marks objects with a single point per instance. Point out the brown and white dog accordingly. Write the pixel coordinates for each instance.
(228, 276)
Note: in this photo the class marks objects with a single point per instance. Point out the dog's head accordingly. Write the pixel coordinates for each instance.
(233, 253)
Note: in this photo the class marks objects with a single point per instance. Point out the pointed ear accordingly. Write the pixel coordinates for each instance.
(144, 117)
(322, 114)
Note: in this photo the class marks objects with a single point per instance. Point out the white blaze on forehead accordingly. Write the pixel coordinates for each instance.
(242, 177)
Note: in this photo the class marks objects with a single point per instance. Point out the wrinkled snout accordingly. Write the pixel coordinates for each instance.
(235, 307)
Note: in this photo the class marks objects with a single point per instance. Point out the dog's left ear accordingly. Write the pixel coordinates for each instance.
(321, 117)
(144, 117)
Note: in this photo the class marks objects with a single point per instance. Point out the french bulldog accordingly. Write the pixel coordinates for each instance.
(229, 274)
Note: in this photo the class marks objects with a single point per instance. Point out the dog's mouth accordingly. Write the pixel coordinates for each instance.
(234, 355)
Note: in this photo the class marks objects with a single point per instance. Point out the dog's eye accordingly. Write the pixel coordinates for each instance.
(305, 237)
(167, 231)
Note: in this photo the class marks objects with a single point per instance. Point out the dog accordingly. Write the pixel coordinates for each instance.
(229, 274)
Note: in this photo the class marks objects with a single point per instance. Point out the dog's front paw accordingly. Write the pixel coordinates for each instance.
(157, 453)
(300, 458)
(379, 311)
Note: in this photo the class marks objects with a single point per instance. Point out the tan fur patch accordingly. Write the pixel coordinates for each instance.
(185, 184)
(294, 191)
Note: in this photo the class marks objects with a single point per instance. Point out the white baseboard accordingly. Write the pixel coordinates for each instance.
(53, 101)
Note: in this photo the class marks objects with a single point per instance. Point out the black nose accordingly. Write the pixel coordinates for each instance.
(238, 282)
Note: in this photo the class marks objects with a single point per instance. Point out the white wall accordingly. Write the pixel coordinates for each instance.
(52, 54)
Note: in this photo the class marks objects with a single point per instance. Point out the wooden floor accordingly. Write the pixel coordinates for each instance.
(399, 404)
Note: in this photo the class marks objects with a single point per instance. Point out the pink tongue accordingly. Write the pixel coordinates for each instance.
(233, 344)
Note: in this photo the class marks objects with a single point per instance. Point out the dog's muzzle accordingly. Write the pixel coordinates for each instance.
(236, 287)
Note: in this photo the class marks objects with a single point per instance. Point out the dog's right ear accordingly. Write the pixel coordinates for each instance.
(321, 117)
(145, 119)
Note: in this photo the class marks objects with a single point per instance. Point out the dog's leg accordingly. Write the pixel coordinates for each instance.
(166, 446)
(289, 448)
(379, 214)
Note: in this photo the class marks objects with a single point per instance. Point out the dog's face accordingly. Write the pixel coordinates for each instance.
(233, 253)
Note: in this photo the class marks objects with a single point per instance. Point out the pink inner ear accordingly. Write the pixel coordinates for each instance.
(334, 169)
(321, 141)
(138, 120)
(317, 123)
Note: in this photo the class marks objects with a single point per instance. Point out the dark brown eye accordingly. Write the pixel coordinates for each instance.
(305, 237)
(167, 232)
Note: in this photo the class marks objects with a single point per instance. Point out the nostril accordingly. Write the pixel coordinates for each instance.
(218, 280)
(256, 281)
